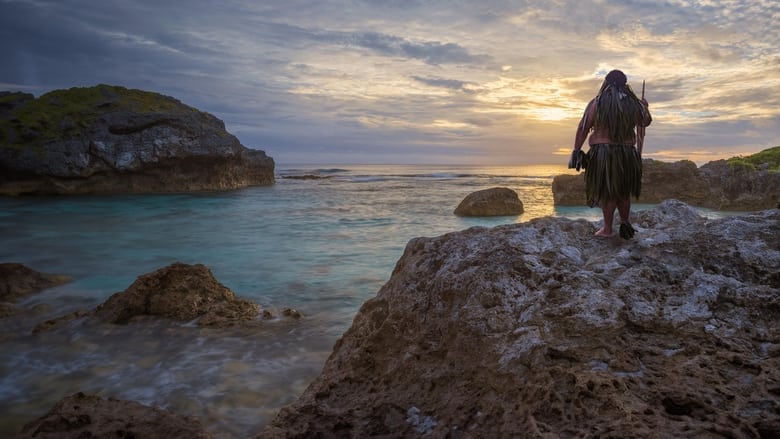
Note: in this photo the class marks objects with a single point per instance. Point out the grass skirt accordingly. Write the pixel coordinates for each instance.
(614, 172)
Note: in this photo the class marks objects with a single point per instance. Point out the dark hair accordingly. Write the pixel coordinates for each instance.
(616, 77)
(617, 107)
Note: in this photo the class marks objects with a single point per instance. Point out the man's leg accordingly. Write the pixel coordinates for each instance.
(624, 209)
(608, 210)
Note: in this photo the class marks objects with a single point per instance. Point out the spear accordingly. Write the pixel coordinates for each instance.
(640, 129)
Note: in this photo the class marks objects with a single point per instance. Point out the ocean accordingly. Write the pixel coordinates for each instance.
(322, 240)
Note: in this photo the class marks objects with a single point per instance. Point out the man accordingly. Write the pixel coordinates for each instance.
(614, 169)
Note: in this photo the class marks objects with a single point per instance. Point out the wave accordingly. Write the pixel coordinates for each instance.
(363, 174)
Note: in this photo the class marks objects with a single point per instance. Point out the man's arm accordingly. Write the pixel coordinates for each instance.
(586, 123)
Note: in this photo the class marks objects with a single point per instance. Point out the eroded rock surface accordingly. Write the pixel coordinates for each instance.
(108, 139)
(714, 185)
(539, 329)
(90, 416)
(17, 280)
(180, 292)
(497, 201)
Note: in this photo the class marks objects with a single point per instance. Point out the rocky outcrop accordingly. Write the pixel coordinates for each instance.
(497, 201)
(741, 187)
(716, 185)
(108, 139)
(539, 329)
(90, 416)
(179, 292)
(17, 280)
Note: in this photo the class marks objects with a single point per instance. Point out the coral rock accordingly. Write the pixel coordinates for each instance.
(540, 329)
(498, 201)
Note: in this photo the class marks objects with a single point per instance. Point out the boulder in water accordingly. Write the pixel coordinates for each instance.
(497, 201)
(180, 292)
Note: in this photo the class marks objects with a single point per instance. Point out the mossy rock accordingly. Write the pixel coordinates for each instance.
(62, 114)
(770, 157)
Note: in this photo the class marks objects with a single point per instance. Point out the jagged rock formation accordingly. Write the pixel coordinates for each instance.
(90, 416)
(497, 201)
(540, 329)
(109, 139)
(716, 185)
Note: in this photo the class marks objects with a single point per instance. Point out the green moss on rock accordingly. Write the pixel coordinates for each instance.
(770, 157)
(69, 113)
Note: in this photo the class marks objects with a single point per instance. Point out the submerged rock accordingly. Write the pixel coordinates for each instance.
(17, 280)
(90, 416)
(497, 201)
(540, 329)
(108, 139)
(180, 292)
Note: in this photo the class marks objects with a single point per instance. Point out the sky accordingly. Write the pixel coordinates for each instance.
(418, 81)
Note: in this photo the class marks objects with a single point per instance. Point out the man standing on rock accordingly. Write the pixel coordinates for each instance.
(614, 160)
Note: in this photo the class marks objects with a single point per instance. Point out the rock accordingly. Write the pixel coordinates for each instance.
(17, 280)
(538, 329)
(569, 190)
(678, 180)
(7, 309)
(90, 416)
(108, 139)
(497, 201)
(58, 322)
(742, 188)
(180, 292)
(716, 185)
(292, 313)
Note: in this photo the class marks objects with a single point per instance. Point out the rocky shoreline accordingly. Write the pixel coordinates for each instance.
(531, 329)
(718, 185)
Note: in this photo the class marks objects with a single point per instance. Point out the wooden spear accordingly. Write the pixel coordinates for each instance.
(640, 129)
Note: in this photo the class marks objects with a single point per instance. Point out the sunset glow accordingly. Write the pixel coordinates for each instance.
(495, 81)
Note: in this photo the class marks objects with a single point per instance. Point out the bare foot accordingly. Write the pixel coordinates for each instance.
(601, 233)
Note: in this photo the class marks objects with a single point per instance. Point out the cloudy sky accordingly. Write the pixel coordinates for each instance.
(418, 81)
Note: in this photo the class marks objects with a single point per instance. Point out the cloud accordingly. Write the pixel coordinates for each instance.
(452, 84)
(423, 78)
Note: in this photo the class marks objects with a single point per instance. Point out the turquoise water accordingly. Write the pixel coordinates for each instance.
(321, 245)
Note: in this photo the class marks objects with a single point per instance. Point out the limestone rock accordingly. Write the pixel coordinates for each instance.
(715, 185)
(108, 139)
(742, 188)
(90, 416)
(539, 329)
(17, 280)
(497, 201)
(180, 292)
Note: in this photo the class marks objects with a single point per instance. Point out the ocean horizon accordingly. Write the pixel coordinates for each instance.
(322, 240)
